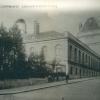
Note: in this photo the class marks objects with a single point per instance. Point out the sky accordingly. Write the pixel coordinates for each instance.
(58, 15)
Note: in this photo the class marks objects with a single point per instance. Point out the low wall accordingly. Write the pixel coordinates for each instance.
(21, 82)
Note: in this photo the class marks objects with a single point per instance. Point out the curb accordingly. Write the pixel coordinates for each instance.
(50, 85)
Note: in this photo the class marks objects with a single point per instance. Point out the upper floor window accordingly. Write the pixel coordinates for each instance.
(83, 58)
(86, 59)
(89, 61)
(75, 54)
(58, 51)
(79, 56)
(44, 51)
(70, 52)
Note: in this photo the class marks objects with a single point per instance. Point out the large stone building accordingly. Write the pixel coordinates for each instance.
(71, 55)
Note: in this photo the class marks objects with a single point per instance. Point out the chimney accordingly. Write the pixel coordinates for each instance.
(36, 28)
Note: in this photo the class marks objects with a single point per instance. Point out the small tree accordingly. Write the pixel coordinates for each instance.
(4, 51)
(19, 55)
(12, 57)
(38, 66)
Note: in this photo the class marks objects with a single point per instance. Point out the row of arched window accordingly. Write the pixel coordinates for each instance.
(58, 51)
(79, 56)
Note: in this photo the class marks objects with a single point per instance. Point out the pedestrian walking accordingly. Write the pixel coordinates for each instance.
(49, 78)
(67, 78)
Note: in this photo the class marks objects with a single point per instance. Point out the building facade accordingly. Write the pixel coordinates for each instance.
(82, 61)
(72, 56)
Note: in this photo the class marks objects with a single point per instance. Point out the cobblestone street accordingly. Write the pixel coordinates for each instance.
(75, 90)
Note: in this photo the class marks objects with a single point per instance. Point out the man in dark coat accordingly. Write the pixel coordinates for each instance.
(67, 78)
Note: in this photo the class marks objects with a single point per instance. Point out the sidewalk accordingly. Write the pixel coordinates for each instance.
(41, 86)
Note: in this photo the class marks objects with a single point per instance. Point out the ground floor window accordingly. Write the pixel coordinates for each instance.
(80, 72)
(83, 72)
(76, 71)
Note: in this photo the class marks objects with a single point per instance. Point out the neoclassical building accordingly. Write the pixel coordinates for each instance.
(73, 57)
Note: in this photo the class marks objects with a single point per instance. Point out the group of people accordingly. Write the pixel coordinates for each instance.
(51, 79)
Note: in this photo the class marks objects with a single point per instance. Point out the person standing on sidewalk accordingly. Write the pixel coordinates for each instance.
(67, 78)
(49, 78)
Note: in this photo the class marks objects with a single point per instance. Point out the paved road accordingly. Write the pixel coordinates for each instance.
(85, 90)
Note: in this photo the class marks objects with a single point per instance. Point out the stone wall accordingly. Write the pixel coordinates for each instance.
(21, 82)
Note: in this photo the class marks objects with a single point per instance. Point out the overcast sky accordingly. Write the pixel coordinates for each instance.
(60, 18)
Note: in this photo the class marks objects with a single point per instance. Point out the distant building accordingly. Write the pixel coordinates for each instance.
(71, 55)
(90, 34)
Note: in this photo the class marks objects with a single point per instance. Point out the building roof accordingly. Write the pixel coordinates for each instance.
(82, 44)
(90, 25)
(49, 35)
(89, 33)
(53, 35)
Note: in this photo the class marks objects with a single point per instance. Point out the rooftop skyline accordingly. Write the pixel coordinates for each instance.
(59, 20)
